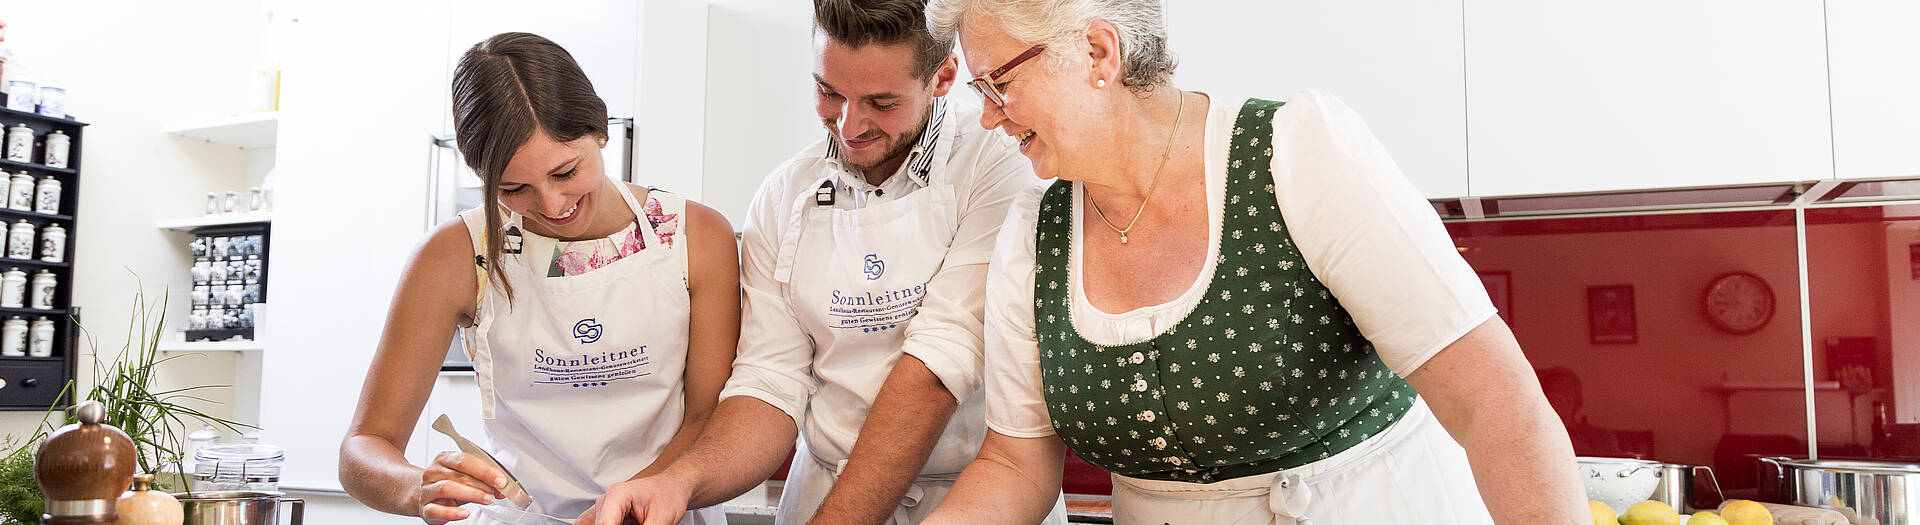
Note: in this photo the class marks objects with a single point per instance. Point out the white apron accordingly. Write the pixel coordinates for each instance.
(581, 377)
(854, 280)
(1411, 473)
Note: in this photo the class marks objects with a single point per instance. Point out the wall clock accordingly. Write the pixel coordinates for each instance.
(1738, 302)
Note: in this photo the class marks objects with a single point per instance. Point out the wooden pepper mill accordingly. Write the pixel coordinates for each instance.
(82, 469)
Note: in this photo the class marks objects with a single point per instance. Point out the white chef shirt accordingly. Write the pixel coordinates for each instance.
(1363, 229)
(776, 354)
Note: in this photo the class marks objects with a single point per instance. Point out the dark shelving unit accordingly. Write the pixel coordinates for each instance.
(34, 383)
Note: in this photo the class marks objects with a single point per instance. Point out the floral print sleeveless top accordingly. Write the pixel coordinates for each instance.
(578, 257)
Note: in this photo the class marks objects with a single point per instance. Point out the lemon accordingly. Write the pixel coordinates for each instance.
(1602, 514)
(1650, 513)
(1707, 518)
(1743, 512)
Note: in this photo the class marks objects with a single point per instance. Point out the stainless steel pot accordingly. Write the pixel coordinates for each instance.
(1867, 492)
(1676, 485)
(238, 508)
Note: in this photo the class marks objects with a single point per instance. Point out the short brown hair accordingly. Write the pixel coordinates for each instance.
(504, 88)
(887, 22)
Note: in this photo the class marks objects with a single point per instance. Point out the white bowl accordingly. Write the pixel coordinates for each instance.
(1618, 482)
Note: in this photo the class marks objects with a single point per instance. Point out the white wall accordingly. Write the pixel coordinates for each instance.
(130, 88)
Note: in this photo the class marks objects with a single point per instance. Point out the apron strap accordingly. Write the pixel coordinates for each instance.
(650, 238)
(796, 221)
(670, 203)
(476, 222)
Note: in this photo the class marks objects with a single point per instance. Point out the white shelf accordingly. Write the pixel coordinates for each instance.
(215, 220)
(252, 130)
(212, 346)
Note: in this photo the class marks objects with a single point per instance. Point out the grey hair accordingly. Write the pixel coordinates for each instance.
(1141, 25)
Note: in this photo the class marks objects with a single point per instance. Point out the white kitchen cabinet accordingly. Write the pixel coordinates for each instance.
(1399, 66)
(1872, 50)
(1588, 96)
(350, 180)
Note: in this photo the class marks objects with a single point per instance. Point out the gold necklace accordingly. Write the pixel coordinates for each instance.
(1168, 152)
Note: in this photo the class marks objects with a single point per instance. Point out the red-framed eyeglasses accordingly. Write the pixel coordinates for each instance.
(984, 84)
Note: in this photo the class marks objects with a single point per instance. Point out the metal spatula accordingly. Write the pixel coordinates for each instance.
(513, 491)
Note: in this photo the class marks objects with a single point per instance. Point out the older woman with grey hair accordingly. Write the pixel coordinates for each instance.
(1272, 326)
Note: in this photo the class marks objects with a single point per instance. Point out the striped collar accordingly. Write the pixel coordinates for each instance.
(919, 164)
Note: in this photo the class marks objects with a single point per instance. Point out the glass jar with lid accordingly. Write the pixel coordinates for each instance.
(238, 466)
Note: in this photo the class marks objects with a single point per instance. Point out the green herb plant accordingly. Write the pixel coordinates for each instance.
(152, 419)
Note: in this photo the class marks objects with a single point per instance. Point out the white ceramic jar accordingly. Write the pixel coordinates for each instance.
(40, 338)
(20, 143)
(43, 286)
(23, 95)
(13, 288)
(53, 101)
(53, 243)
(20, 192)
(46, 196)
(20, 240)
(59, 144)
(13, 337)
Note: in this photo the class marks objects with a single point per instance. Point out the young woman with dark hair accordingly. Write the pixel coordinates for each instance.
(601, 317)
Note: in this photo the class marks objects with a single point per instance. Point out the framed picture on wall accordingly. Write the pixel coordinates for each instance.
(1610, 317)
(1499, 289)
(1914, 256)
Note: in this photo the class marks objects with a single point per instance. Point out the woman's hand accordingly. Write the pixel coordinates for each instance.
(453, 480)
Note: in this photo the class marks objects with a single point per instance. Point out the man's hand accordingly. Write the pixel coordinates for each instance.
(655, 500)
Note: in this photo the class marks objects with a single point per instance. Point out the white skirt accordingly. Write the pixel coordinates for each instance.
(1411, 473)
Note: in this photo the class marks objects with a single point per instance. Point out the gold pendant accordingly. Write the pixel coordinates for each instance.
(1123, 238)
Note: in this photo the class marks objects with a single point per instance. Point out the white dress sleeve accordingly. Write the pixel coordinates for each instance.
(1015, 406)
(1369, 235)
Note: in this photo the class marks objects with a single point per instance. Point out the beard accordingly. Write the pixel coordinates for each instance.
(894, 147)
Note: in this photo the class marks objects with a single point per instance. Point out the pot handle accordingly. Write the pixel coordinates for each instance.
(1716, 481)
(1772, 477)
(1635, 470)
(299, 509)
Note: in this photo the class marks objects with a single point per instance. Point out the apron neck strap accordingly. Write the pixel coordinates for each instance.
(648, 237)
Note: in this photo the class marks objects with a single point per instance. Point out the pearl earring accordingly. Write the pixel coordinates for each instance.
(1100, 83)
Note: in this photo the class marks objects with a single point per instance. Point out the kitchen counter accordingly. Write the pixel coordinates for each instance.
(756, 507)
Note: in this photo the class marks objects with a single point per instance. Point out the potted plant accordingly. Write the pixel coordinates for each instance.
(152, 419)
